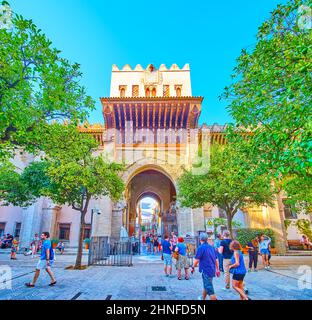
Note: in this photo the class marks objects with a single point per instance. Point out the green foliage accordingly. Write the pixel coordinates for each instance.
(287, 223)
(70, 173)
(217, 222)
(231, 183)
(245, 235)
(271, 95)
(55, 241)
(304, 227)
(37, 86)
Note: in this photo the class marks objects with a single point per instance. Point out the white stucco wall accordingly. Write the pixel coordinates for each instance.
(138, 76)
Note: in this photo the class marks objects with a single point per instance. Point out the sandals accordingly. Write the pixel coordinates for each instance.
(52, 284)
(187, 278)
(29, 285)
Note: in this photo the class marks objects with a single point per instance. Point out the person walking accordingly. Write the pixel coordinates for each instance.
(14, 249)
(35, 245)
(253, 249)
(238, 269)
(207, 258)
(217, 244)
(45, 262)
(227, 254)
(264, 246)
(156, 244)
(167, 251)
(182, 261)
(148, 243)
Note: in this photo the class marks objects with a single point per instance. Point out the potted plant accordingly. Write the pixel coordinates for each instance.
(54, 243)
(87, 243)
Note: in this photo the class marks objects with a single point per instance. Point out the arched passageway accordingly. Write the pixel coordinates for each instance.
(150, 196)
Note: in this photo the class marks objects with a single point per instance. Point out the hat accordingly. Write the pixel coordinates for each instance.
(180, 239)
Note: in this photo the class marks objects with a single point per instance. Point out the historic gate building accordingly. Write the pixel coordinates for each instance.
(150, 124)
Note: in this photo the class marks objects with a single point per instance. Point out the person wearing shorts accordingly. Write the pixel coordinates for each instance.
(238, 269)
(264, 246)
(167, 251)
(207, 258)
(45, 262)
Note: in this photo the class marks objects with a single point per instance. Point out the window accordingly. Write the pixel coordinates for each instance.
(289, 212)
(166, 90)
(64, 231)
(87, 231)
(135, 91)
(178, 89)
(147, 93)
(2, 228)
(154, 92)
(17, 230)
(122, 90)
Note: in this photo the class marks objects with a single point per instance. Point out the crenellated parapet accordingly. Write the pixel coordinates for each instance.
(139, 68)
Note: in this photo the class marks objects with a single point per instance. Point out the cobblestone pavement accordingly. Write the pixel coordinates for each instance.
(128, 283)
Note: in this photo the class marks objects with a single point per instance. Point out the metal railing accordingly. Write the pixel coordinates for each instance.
(105, 253)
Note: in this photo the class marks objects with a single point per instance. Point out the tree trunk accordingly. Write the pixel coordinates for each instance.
(229, 219)
(80, 243)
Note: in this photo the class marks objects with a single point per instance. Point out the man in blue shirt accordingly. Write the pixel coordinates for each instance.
(166, 251)
(206, 257)
(46, 260)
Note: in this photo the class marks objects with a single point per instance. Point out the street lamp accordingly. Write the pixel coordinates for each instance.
(98, 211)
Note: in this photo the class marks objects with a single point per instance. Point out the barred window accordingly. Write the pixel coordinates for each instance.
(289, 211)
(64, 231)
(166, 90)
(135, 91)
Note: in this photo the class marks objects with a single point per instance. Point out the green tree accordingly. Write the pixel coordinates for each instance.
(271, 95)
(37, 86)
(231, 182)
(69, 174)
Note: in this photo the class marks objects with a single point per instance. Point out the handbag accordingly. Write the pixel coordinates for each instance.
(175, 255)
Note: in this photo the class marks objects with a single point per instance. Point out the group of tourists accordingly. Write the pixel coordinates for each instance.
(6, 241)
(175, 250)
(151, 243)
(223, 255)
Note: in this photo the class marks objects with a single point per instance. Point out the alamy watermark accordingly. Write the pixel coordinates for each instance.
(305, 277)
(5, 277)
(305, 17)
(162, 145)
(6, 17)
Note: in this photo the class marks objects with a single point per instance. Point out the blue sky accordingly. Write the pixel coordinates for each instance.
(98, 33)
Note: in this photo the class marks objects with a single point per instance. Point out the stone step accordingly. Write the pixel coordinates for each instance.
(298, 253)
